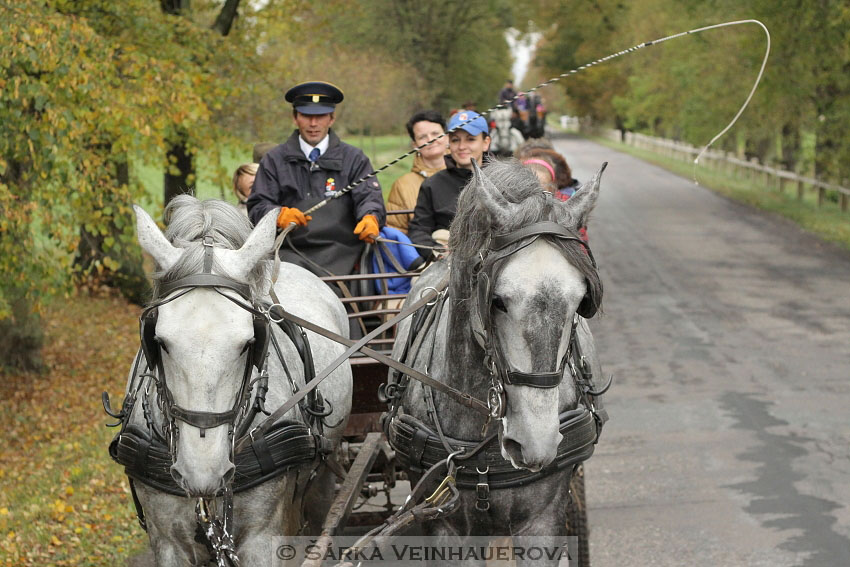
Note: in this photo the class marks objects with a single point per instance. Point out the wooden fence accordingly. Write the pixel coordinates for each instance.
(771, 177)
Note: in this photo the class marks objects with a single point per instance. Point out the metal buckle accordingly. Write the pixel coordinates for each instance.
(482, 491)
(436, 296)
(268, 313)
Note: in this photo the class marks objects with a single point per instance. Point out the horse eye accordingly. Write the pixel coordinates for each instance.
(499, 304)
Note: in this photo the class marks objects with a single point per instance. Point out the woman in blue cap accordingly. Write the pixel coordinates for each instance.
(469, 139)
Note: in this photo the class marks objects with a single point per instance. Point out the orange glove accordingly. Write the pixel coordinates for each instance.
(291, 214)
(367, 229)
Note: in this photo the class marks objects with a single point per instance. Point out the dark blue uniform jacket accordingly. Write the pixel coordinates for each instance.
(287, 178)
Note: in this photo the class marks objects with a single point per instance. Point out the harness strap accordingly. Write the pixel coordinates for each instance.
(460, 397)
(140, 512)
(360, 345)
(264, 457)
(205, 280)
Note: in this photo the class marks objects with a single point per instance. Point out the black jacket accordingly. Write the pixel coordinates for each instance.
(437, 204)
(287, 178)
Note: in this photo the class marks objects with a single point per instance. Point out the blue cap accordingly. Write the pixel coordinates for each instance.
(475, 127)
(314, 97)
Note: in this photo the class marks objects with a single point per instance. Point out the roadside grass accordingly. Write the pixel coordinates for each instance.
(214, 183)
(827, 221)
(62, 499)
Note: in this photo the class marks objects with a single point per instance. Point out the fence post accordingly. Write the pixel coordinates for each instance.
(782, 185)
(821, 195)
(799, 189)
(843, 202)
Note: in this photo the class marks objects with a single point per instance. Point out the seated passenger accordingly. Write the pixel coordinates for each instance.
(437, 202)
(243, 180)
(424, 126)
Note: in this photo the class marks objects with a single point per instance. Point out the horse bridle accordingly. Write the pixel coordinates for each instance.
(257, 348)
(485, 273)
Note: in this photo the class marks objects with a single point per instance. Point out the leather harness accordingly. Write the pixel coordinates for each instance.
(420, 447)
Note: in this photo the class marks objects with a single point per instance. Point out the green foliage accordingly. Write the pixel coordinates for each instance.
(691, 87)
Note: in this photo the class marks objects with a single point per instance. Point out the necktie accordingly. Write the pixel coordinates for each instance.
(314, 154)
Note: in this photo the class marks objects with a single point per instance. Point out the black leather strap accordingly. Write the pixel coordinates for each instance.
(261, 451)
(202, 419)
(500, 241)
(360, 345)
(206, 280)
(535, 379)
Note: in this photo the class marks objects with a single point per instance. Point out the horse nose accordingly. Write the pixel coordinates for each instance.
(532, 455)
(206, 484)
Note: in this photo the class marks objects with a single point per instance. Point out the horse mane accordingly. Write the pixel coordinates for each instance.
(473, 225)
(188, 221)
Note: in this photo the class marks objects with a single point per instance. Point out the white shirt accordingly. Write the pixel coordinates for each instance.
(307, 148)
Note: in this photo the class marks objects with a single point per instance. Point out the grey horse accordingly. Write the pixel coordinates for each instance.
(533, 301)
(204, 338)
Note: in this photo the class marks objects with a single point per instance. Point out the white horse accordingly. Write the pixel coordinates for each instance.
(505, 138)
(519, 273)
(206, 338)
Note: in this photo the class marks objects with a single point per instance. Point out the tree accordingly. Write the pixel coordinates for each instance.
(82, 86)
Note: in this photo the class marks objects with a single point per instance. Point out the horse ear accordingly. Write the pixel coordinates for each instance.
(154, 242)
(259, 244)
(583, 200)
(500, 209)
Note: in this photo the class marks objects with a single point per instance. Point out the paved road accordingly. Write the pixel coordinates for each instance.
(728, 332)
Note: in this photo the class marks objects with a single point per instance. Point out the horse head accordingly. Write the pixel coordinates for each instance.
(537, 275)
(212, 268)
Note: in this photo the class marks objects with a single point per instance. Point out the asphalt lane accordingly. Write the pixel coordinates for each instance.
(728, 333)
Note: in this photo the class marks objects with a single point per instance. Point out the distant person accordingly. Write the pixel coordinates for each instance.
(437, 202)
(470, 105)
(306, 169)
(243, 180)
(507, 94)
(422, 127)
(261, 150)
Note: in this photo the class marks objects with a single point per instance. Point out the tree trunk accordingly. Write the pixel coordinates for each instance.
(130, 278)
(182, 182)
(21, 334)
(179, 183)
(225, 18)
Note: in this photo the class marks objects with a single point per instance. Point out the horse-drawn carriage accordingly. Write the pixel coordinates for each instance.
(489, 407)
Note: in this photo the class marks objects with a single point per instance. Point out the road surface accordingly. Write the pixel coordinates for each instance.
(728, 333)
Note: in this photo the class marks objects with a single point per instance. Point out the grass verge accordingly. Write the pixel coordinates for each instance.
(212, 184)
(62, 499)
(827, 221)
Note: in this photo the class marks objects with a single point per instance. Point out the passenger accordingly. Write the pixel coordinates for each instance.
(437, 201)
(540, 148)
(310, 166)
(545, 171)
(261, 149)
(422, 127)
(243, 179)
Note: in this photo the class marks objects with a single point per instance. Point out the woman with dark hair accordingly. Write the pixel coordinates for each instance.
(469, 139)
(424, 126)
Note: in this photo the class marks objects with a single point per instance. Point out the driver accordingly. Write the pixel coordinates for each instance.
(311, 165)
